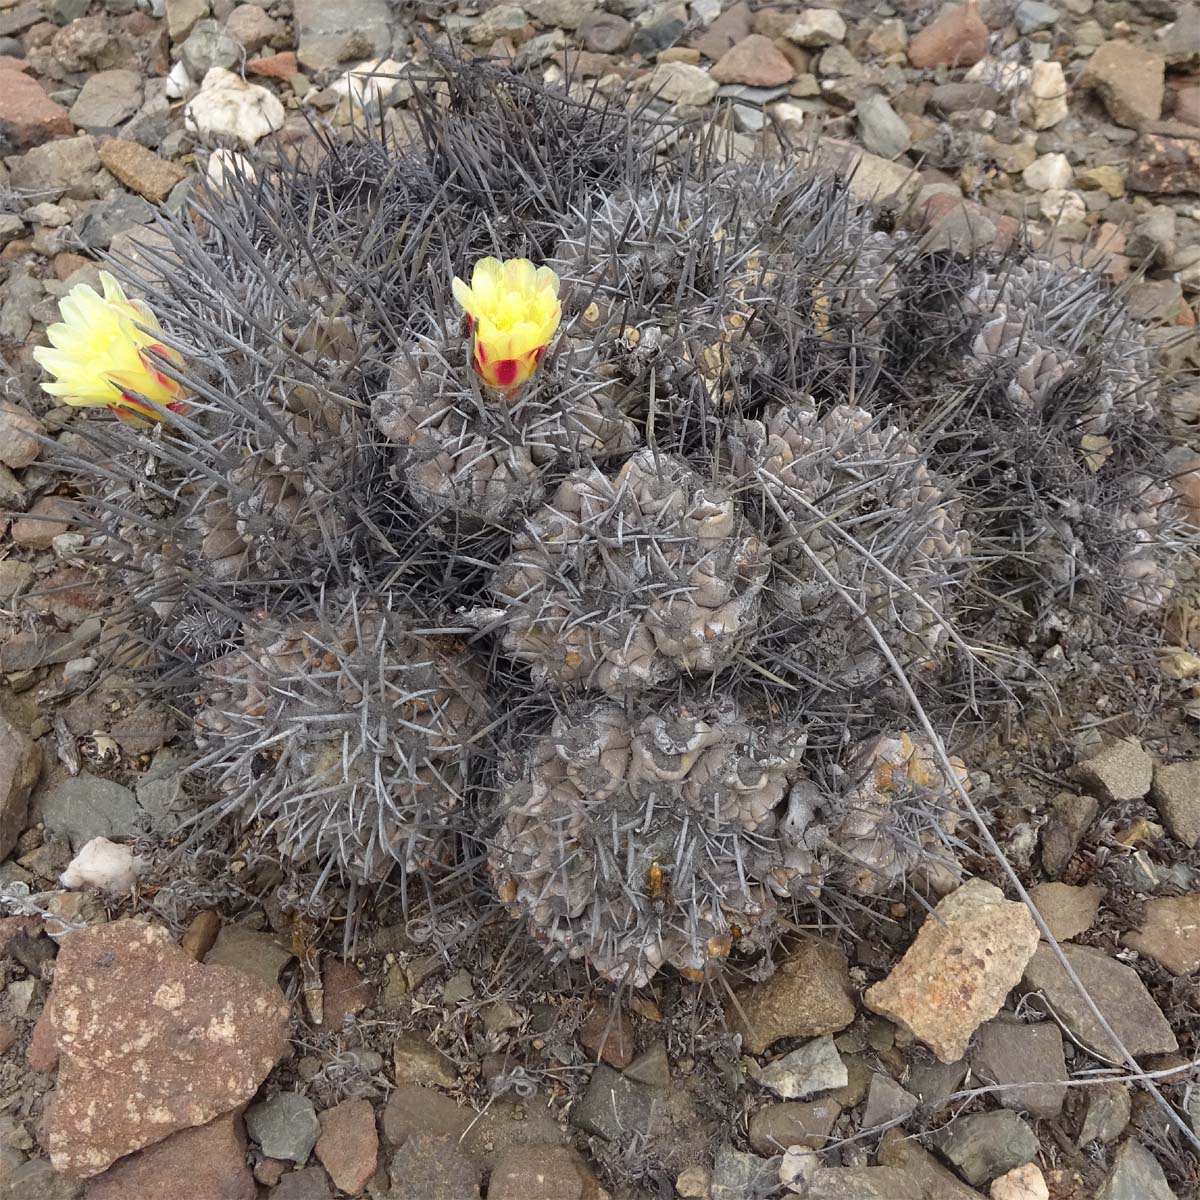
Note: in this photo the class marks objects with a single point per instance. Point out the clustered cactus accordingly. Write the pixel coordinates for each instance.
(618, 629)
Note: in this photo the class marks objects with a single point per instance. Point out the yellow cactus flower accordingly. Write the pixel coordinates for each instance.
(98, 354)
(513, 310)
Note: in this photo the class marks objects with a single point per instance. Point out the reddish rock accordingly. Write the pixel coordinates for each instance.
(200, 935)
(70, 594)
(584, 64)
(309, 1183)
(19, 431)
(725, 32)
(42, 1055)
(8, 1036)
(1166, 163)
(543, 1173)
(66, 264)
(278, 66)
(20, 766)
(139, 169)
(348, 1147)
(346, 992)
(943, 205)
(150, 1042)
(608, 1034)
(49, 516)
(194, 1164)
(28, 117)
(755, 60)
(413, 1110)
(957, 37)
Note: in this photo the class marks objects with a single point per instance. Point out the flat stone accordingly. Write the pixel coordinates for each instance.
(433, 1168)
(331, 32)
(1128, 79)
(756, 61)
(192, 1164)
(984, 1145)
(281, 67)
(85, 806)
(47, 518)
(808, 995)
(346, 992)
(1008, 1053)
(250, 27)
(1070, 818)
(1107, 1109)
(141, 170)
(864, 1183)
(957, 37)
(775, 1127)
(416, 1061)
(129, 1004)
(652, 1067)
(814, 1067)
(419, 1111)
(309, 1183)
(503, 1125)
(28, 117)
(348, 1147)
(285, 1127)
(543, 1173)
(1169, 933)
(182, 15)
(934, 1083)
(1120, 772)
(607, 1033)
(107, 99)
(38, 1180)
(949, 98)
(887, 1103)
(1136, 1175)
(1068, 911)
(66, 166)
(1048, 172)
(1032, 15)
(1118, 993)
(938, 1182)
(868, 176)
(956, 974)
(20, 767)
(261, 955)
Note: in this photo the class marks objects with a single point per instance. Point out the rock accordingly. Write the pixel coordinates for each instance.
(808, 995)
(681, 83)
(881, 130)
(725, 32)
(1136, 1175)
(28, 117)
(895, 1150)
(337, 31)
(128, 1004)
(19, 432)
(1070, 817)
(413, 1111)
(543, 1173)
(107, 99)
(1180, 42)
(38, 1180)
(1122, 771)
(949, 98)
(1118, 993)
(694, 1184)
(208, 46)
(200, 935)
(817, 27)
(260, 955)
(984, 1145)
(756, 61)
(429, 1168)
(955, 975)
(346, 992)
(611, 1104)
(1107, 1109)
(416, 1061)
(1128, 79)
(348, 1147)
(64, 167)
(103, 865)
(1032, 15)
(251, 28)
(20, 766)
(607, 1033)
(836, 62)
(863, 1183)
(869, 177)
(1043, 104)
(226, 106)
(141, 170)
(1108, 179)
(1176, 792)
(310, 1183)
(182, 15)
(957, 37)
(934, 1083)
(285, 1127)
(651, 1067)
(193, 1164)
(814, 1067)
(49, 516)
(1166, 163)
(281, 67)
(887, 1103)
(1021, 1183)
(564, 14)
(1169, 933)
(604, 33)
(1008, 1053)
(499, 21)
(82, 807)
(1050, 171)
(736, 1175)
(1068, 911)
(775, 1127)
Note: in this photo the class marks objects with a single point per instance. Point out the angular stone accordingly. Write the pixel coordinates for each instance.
(1120, 772)
(19, 431)
(736, 1175)
(38, 1180)
(286, 1127)
(1068, 911)
(817, 27)
(433, 1168)
(1176, 792)
(814, 1067)
(1169, 933)
(756, 61)
(278, 66)
(349, 1144)
(418, 1111)
(775, 1127)
(1118, 993)
(808, 995)
(1070, 817)
(864, 1183)
(85, 806)
(1021, 1183)
(681, 83)
(308, 1183)
(128, 1004)
(20, 766)
(984, 1145)
(611, 1104)
(957, 972)
(881, 130)
(887, 1103)
(141, 170)
(66, 166)
(607, 1033)
(416, 1061)
(251, 28)
(182, 15)
(938, 1182)
(261, 955)
(1009, 1053)
(28, 117)
(723, 34)
(337, 31)
(543, 1173)
(934, 1083)
(1166, 163)
(868, 176)
(107, 99)
(957, 37)
(37, 529)
(192, 1164)
(346, 992)
(1128, 79)
(1136, 1175)
(1107, 1109)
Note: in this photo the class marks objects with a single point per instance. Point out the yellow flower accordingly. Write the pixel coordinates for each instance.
(98, 354)
(513, 310)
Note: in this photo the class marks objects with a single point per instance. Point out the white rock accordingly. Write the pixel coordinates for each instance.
(374, 85)
(1050, 171)
(1044, 102)
(788, 113)
(1022, 1183)
(681, 83)
(1062, 204)
(103, 865)
(179, 82)
(814, 1067)
(78, 668)
(817, 27)
(705, 11)
(227, 106)
(224, 165)
(796, 1167)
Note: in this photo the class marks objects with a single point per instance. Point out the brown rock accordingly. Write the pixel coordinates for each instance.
(349, 1145)
(20, 766)
(1128, 79)
(139, 169)
(195, 1164)
(28, 117)
(18, 445)
(1070, 817)
(42, 1055)
(261, 955)
(938, 1182)
(346, 992)
(49, 516)
(8, 1036)
(278, 66)
(129, 1005)
(808, 995)
(200, 935)
(754, 60)
(1169, 933)
(250, 27)
(416, 1061)
(966, 958)
(607, 1033)
(425, 1168)
(68, 593)
(1166, 163)
(543, 1173)
(725, 32)
(309, 1183)
(957, 37)
(1176, 787)
(1068, 911)
(413, 1110)
(775, 1127)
